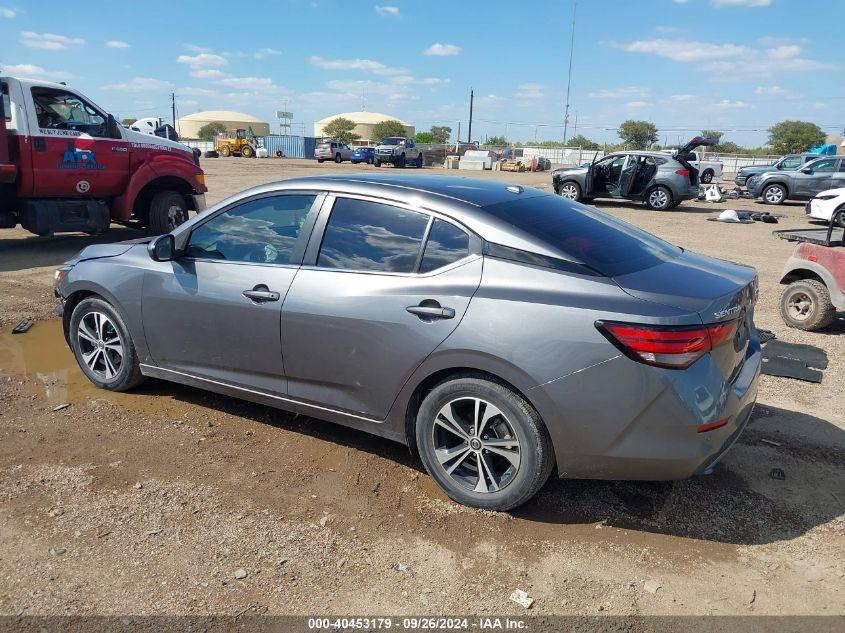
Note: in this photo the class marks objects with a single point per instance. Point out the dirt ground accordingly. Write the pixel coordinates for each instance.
(153, 502)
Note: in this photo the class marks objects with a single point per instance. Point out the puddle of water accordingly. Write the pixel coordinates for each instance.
(41, 356)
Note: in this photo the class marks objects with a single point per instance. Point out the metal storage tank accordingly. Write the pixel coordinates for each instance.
(189, 126)
(364, 123)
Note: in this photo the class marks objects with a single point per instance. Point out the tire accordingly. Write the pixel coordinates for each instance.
(570, 190)
(658, 198)
(419, 162)
(707, 176)
(212, 154)
(401, 162)
(247, 151)
(96, 333)
(167, 211)
(841, 220)
(376, 162)
(806, 305)
(511, 484)
(225, 151)
(321, 160)
(774, 194)
(337, 158)
(370, 160)
(355, 162)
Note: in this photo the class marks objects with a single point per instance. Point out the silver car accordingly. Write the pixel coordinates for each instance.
(659, 179)
(502, 332)
(776, 187)
(332, 150)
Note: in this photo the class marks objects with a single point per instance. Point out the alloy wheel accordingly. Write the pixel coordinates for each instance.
(800, 306)
(774, 195)
(569, 191)
(100, 345)
(658, 199)
(476, 445)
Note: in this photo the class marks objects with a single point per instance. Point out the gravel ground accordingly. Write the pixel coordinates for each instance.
(169, 500)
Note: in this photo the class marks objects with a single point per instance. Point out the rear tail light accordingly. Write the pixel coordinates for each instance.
(709, 426)
(682, 172)
(673, 347)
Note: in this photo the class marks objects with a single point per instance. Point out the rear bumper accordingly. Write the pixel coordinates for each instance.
(648, 429)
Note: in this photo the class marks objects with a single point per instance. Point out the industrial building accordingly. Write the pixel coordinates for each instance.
(188, 127)
(364, 123)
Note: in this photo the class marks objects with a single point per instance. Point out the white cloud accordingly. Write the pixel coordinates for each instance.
(741, 3)
(9, 13)
(248, 83)
(141, 84)
(624, 92)
(769, 90)
(531, 92)
(683, 98)
(784, 52)
(261, 53)
(355, 64)
(638, 104)
(210, 73)
(32, 71)
(387, 11)
(49, 41)
(117, 44)
(202, 60)
(442, 50)
(727, 104)
(683, 50)
(680, 1)
(193, 48)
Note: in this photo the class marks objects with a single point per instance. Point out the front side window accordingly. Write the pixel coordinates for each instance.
(60, 110)
(363, 235)
(446, 244)
(262, 231)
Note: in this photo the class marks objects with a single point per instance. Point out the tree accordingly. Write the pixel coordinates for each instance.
(208, 131)
(497, 141)
(385, 129)
(424, 138)
(583, 142)
(638, 134)
(341, 129)
(441, 133)
(127, 122)
(792, 137)
(729, 147)
(716, 135)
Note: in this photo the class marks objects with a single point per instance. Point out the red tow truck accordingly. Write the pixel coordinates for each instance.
(67, 165)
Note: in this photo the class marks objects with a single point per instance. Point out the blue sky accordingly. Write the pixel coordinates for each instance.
(738, 65)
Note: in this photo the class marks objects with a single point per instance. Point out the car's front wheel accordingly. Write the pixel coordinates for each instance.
(774, 194)
(659, 199)
(483, 443)
(103, 348)
(570, 190)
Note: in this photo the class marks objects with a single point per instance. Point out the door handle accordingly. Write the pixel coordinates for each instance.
(430, 312)
(261, 294)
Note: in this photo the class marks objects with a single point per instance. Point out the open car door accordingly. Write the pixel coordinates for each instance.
(588, 179)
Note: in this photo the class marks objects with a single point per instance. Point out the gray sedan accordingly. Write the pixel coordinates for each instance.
(776, 187)
(502, 332)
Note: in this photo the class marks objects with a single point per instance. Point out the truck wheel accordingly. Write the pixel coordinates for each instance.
(103, 347)
(483, 444)
(225, 150)
(419, 161)
(247, 151)
(806, 305)
(401, 162)
(774, 194)
(376, 162)
(167, 211)
(337, 158)
(707, 176)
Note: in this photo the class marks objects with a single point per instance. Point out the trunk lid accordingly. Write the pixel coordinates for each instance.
(717, 291)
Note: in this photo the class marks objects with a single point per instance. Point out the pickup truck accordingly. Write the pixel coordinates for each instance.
(398, 150)
(708, 170)
(66, 165)
(790, 162)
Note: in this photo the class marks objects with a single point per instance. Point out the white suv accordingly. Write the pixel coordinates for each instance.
(398, 150)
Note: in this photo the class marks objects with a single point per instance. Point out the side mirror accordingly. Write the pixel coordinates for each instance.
(162, 248)
(112, 128)
(807, 170)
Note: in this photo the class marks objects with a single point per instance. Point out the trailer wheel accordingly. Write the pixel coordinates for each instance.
(167, 211)
(806, 305)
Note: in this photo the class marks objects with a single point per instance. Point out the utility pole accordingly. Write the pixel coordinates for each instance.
(173, 108)
(469, 133)
(569, 77)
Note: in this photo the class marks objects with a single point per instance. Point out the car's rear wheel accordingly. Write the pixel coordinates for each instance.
(483, 443)
(570, 190)
(102, 346)
(774, 194)
(337, 158)
(707, 176)
(806, 305)
(659, 199)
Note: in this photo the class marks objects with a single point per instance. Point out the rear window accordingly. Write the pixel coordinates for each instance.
(586, 236)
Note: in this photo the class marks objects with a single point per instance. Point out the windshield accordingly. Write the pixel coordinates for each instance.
(393, 141)
(581, 234)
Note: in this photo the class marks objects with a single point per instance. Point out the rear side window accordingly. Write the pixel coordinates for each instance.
(790, 163)
(824, 166)
(446, 244)
(580, 234)
(363, 235)
(262, 231)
